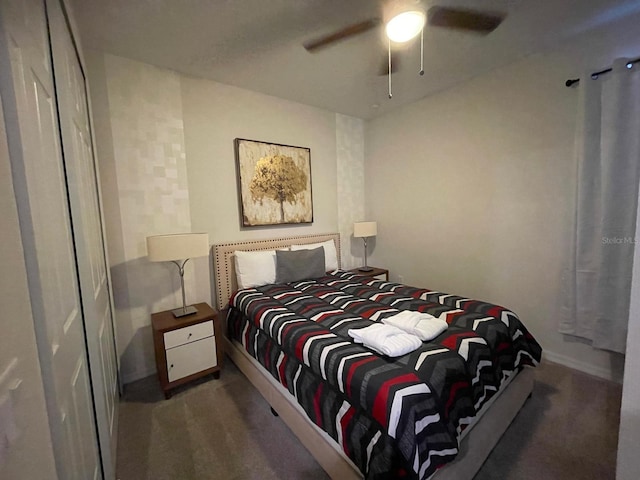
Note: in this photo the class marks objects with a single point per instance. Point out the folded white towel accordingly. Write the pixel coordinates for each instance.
(422, 325)
(385, 339)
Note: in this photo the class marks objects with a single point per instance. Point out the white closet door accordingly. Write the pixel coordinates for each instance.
(87, 225)
(26, 81)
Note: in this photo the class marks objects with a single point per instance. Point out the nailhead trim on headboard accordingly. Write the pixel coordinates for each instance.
(224, 266)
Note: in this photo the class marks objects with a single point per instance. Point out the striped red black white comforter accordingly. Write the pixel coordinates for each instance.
(393, 418)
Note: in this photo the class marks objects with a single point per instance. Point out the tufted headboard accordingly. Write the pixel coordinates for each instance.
(224, 265)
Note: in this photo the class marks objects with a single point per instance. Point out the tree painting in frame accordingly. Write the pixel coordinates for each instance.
(274, 183)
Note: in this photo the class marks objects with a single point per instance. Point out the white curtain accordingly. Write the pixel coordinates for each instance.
(598, 280)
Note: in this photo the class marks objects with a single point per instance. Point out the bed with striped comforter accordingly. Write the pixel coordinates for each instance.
(393, 417)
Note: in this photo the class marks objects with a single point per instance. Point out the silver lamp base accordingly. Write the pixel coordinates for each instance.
(183, 312)
(366, 267)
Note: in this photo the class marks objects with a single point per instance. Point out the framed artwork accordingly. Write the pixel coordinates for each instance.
(274, 183)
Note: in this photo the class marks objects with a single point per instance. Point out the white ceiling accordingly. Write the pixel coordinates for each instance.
(257, 44)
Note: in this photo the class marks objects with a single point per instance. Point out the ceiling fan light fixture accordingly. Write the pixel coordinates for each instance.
(405, 26)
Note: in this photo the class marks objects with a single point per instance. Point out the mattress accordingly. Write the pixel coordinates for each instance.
(392, 417)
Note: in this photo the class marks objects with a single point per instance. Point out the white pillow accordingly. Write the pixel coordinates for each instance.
(330, 253)
(255, 268)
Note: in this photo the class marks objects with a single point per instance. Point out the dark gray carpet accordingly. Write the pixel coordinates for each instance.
(223, 429)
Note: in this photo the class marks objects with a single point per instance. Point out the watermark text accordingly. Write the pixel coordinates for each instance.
(619, 240)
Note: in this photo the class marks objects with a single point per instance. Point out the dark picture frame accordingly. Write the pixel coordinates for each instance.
(274, 183)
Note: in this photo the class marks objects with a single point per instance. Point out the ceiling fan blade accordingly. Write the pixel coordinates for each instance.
(464, 19)
(347, 32)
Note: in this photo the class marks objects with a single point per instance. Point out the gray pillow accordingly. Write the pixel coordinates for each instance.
(292, 266)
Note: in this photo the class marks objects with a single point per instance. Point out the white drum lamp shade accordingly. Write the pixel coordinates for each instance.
(364, 230)
(175, 248)
(180, 246)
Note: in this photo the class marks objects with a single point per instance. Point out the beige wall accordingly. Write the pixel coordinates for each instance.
(30, 455)
(473, 187)
(216, 114)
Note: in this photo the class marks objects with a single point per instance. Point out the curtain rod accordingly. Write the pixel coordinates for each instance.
(594, 75)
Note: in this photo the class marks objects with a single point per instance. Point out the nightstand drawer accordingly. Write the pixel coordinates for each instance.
(188, 334)
(191, 358)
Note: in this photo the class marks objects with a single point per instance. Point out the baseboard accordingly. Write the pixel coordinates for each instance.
(601, 372)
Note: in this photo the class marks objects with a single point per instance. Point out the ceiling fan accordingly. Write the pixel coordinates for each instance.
(404, 21)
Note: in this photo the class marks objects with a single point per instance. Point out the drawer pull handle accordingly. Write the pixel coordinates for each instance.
(190, 335)
(171, 366)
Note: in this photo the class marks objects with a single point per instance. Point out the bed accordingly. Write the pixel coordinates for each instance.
(436, 412)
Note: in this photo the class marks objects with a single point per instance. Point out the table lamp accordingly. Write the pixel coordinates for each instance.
(364, 230)
(178, 248)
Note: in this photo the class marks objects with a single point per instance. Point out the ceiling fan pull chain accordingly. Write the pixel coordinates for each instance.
(422, 52)
(390, 95)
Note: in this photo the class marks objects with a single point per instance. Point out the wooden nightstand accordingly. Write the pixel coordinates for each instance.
(188, 347)
(375, 272)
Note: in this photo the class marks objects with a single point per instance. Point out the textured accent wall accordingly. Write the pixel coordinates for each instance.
(149, 170)
(350, 186)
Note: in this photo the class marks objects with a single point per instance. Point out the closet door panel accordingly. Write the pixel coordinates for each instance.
(41, 192)
(86, 221)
